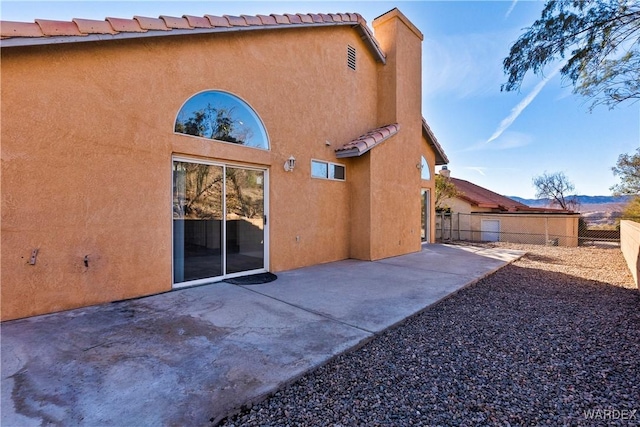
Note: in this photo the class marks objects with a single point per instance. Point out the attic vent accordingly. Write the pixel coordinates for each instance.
(351, 57)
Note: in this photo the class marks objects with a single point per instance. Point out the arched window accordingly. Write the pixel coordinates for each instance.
(425, 172)
(222, 117)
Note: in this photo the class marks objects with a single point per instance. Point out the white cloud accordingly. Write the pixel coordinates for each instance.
(518, 109)
(464, 65)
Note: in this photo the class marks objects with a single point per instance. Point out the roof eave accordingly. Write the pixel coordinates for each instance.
(362, 30)
(441, 157)
(368, 39)
(353, 152)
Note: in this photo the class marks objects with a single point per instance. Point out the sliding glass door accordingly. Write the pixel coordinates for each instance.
(218, 221)
(245, 219)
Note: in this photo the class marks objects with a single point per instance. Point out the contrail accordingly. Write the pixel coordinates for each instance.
(513, 4)
(515, 111)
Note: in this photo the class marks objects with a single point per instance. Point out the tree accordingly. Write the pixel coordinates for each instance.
(214, 123)
(556, 187)
(632, 209)
(601, 39)
(628, 169)
(445, 189)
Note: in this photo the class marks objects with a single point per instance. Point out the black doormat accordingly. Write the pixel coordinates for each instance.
(254, 279)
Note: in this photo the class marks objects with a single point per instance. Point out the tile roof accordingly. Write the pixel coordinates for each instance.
(366, 142)
(484, 198)
(44, 31)
(441, 157)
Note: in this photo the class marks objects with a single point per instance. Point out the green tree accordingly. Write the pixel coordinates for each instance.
(632, 210)
(445, 189)
(214, 123)
(628, 169)
(556, 187)
(600, 41)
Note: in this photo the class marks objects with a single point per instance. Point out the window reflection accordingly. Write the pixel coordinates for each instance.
(222, 117)
(319, 169)
(425, 172)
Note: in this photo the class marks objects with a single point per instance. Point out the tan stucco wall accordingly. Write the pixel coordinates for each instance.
(536, 229)
(395, 217)
(460, 206)
(630, 246)
(528, 228)
(87, 145)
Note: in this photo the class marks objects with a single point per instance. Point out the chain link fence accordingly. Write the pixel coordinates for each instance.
(532, 228)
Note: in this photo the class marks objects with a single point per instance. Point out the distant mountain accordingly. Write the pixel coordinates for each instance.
(584, 200)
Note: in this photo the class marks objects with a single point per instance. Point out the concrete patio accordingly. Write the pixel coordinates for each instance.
(192, 356)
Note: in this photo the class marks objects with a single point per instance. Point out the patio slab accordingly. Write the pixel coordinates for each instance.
(192, 356)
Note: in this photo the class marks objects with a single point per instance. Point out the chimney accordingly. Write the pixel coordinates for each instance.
(445, 172)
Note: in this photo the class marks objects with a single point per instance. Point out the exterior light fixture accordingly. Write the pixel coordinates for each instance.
(290, 164)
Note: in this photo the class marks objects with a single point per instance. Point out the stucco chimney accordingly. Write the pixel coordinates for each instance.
(445, 172)
(400, 79)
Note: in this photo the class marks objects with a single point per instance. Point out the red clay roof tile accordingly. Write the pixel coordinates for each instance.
(218, 21)
(200, 21)
(174, 22)
(305, 18)
(252, 20)
(91, 26)
(281, 19)
(58, 28)
(236, 21)
(267, 20)
(20, 29)
(366, 142)
(126, 25)
(482, 197)
(24, 34)
(294, 19)
(156, 24)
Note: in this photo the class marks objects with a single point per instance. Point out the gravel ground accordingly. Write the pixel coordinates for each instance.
(552, 339)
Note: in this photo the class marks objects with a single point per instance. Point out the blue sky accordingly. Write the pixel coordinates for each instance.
(494, 139)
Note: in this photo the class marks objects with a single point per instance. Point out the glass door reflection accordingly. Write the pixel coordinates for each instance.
(245, 220)
(198, 213)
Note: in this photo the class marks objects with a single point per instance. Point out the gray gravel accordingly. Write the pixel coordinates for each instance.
(547, 340)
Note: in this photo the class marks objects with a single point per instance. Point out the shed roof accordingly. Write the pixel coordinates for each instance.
(44, 31)
(366, 142)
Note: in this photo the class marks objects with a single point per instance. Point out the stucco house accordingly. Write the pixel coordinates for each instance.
(479, 214)
(147, 154)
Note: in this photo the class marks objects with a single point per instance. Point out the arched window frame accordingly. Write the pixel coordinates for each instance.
(247, 111)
